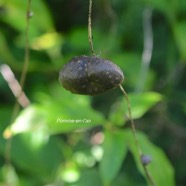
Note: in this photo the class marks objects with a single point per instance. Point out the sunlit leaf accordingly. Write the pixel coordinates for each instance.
(30, 119)
(62, 113)
(70, 173)
(46, 41)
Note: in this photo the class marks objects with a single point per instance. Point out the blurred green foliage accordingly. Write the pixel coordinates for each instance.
(74, 140)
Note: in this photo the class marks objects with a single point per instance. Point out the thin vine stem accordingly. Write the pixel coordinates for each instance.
(27, 50)
(90, 37)
(147, 173)
(16, 107)
(26, 59)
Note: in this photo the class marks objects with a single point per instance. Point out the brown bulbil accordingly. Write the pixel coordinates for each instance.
(90, 75)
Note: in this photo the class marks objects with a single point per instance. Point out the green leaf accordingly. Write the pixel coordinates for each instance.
(114, 152)
(140, 104)
(90, 176)
(16, 15)
(168, 8)
(30, 119)
(67, 112)
(126, 178)
(39, 161)
(58, 113)
(130, 64)
(5, 114)
(76, 38)
(160, 168)
(9, 175)
(71, 112)
(180, 36)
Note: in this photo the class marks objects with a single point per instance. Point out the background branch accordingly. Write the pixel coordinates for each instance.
(148, 48)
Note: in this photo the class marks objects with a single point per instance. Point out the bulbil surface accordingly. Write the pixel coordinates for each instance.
(90, 75)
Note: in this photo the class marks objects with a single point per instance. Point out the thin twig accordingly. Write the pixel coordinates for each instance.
(16, 108)
(26, 60)
(27, 50)
(90, 37)
(148, 175)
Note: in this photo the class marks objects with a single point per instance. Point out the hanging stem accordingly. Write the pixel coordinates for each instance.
(90, 37)
(131, 120)
(148, 175)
